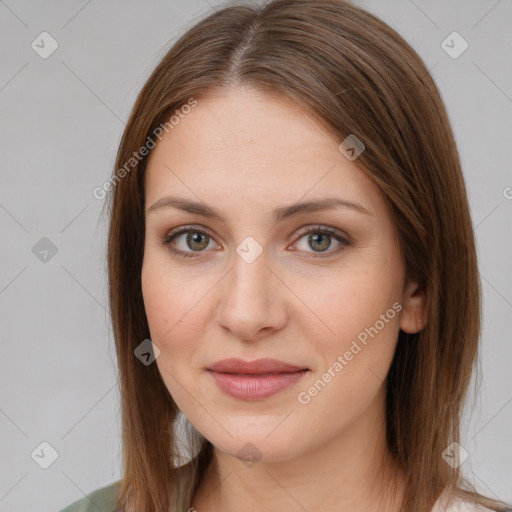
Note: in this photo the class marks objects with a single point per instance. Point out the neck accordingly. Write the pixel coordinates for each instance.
(352, 472)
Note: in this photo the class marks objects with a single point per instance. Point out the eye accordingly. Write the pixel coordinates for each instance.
(319, 239)
(194, 241)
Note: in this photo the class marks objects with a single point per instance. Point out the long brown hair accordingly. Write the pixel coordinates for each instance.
(355, 75)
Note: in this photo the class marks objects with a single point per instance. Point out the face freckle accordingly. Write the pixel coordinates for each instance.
(246, 155)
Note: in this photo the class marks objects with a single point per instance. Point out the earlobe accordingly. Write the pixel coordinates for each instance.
(413, 318)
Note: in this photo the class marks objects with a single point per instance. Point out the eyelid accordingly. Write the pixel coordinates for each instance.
(327, 229)
(187, 229)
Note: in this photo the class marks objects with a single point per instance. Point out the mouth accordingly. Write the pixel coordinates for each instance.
(254, 380)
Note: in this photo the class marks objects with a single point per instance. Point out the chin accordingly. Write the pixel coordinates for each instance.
(255, 440)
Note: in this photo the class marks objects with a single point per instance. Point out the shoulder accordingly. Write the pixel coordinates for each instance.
(465, 506)
(457, 504)
(103, 499)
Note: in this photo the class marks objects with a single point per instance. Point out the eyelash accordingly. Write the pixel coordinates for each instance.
(314, 230)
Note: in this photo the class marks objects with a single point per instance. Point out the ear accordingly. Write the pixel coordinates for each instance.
(414, 316)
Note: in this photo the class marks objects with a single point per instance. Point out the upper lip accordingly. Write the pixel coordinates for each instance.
(258, 366)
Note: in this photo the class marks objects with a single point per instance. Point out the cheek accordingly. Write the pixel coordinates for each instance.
(171, 318)
(351, 301)
(179, 311)
(359, 327)
(168, 303)
(158, 303)
(352, 364)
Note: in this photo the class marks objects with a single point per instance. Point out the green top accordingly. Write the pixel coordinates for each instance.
(102, 499)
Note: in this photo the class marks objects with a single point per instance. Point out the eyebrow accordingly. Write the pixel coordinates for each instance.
(279, 214)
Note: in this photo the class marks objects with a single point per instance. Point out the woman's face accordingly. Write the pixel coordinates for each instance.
(258, 276)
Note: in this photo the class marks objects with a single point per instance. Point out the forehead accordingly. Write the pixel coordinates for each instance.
(242, 148)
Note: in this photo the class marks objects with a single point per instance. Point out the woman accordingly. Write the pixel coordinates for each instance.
(292, 271)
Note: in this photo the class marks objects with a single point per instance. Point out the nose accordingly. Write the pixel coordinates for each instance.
(252, 301)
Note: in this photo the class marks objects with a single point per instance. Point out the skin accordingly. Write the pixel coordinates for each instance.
(245, 154)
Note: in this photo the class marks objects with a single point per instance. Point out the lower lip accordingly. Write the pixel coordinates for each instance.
(255, 387)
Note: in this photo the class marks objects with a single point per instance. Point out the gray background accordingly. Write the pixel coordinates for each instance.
(61, 121)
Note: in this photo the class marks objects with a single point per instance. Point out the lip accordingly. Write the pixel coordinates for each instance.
(258, 366)
(254, 380)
